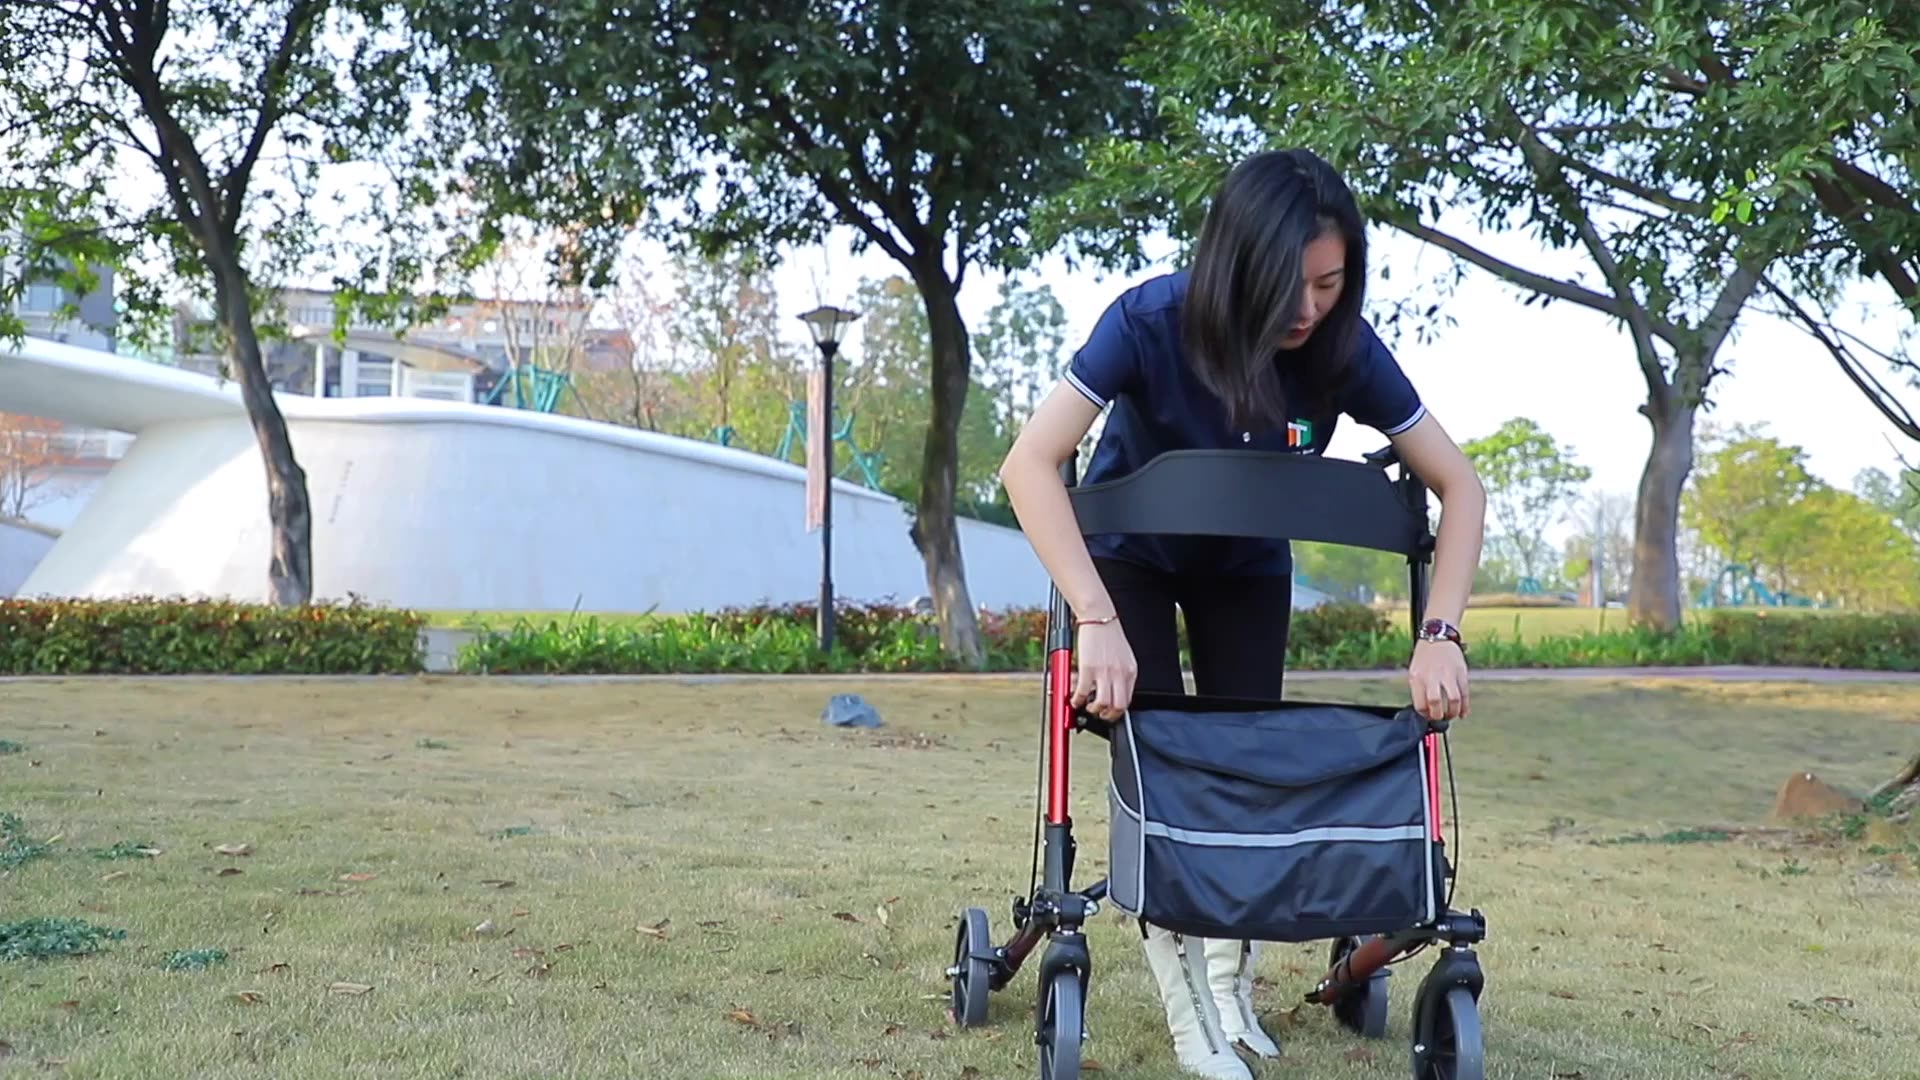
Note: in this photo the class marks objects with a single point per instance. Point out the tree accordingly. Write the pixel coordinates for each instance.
(1529, 478)
(1021, 350)
(29, 460)
(1822, 92)
(888, 394)
(1600, 551)
(1853, 553)
(928, 129)
(1577, 122)
(1900, 497)
(642, 393)
(1748, 498)
(744, 373)
(222, 100)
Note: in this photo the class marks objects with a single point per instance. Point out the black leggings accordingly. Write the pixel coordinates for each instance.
(1236, 628)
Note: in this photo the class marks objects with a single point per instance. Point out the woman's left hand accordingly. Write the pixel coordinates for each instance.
(1438, 678)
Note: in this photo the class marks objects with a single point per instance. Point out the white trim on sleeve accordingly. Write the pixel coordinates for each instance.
(1085, 389)
(1418, 414)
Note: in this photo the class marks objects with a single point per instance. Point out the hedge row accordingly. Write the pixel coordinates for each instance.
(1333, 637)
(167, 636)
(162, 636)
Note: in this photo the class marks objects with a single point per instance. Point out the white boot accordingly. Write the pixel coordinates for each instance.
(1179, 966)
(1230, 975)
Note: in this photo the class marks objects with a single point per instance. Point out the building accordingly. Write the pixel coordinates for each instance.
(41, 303)
(447, 505)
(464, 355)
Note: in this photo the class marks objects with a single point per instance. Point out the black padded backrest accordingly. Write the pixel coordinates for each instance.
(1263, 494)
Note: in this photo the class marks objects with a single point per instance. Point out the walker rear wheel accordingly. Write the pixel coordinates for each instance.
(970, 971)
(1363, 1011)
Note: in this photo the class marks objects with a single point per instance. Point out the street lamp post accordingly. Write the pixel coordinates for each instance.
(828, 325)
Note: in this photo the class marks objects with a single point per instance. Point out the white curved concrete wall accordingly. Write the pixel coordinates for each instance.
(450, 506)
(21, 549)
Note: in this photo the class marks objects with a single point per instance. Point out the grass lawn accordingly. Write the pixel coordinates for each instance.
(451, 878)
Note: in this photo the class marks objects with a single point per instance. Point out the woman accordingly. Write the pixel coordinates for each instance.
(1258, 344)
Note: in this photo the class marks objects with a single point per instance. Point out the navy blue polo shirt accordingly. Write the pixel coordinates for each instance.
(1133, 361)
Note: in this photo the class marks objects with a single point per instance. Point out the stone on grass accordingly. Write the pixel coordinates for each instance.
(850, 710)
(1805, 796)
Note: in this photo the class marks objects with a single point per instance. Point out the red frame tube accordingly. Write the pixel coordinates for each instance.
(1059, 728)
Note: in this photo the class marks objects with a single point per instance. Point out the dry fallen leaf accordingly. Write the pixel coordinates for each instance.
(1360, 1054)
(968, 1072)
(228, 871)
(358, 876)
(6, 1048)
(70, 1004)
(115, 876)
(658, 930)
(275, 968)
(498, 883)
(742, 1016)
(846, 916)
(234, 849)
(1565, 994)
(251, 997)
(349, 988)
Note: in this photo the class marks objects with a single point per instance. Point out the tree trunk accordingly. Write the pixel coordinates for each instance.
(290, 564)
(1653, 598)
(935, 530)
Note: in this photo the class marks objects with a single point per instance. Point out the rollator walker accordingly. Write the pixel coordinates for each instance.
(1284, 821)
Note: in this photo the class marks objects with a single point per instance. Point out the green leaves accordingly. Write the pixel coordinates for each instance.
(1530, 480)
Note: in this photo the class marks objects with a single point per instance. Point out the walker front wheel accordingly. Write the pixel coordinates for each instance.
(1062, 1027)
(1448, 1044)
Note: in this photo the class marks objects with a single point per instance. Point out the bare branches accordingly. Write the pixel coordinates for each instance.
(1526, 279)
(1547, 166)
(1876, 392)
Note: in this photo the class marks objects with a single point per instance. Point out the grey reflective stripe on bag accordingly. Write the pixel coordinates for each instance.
(1298, 822)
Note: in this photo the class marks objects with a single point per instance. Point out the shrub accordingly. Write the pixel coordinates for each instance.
(1332, 625)
(167, 636)
(882, 638)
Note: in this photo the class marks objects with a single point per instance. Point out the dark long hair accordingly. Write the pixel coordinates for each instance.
(1243, 290)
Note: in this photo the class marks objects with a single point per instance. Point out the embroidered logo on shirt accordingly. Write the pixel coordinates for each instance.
(1299, 432)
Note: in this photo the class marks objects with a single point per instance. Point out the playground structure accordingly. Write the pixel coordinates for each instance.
(1736, 585)
(795, 435)
(529, 386)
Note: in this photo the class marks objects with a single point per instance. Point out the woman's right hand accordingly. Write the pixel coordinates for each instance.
(1104, 684)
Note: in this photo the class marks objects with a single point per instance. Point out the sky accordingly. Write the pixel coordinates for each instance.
(1496, 359)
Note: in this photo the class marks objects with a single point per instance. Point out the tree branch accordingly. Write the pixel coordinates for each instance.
(1526, 279)
(1546, 165)
(832, 186)
(272, 88)
(1633, 187)
(1726, 307)
(1896, 413)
